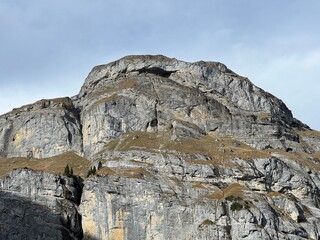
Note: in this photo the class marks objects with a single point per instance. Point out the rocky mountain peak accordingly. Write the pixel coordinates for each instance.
(211, 76)
(178, 91)
(167, 150)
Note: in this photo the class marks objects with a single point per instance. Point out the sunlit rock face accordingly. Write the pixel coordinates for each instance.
(43, 129)
(156, 94)
(182, 151)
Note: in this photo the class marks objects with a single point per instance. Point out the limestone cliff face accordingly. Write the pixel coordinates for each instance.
(155, 93)
(188, 151)
(171, 195)
(43, 129)
(39, 205)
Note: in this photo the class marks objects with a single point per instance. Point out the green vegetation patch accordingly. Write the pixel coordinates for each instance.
(238, 203)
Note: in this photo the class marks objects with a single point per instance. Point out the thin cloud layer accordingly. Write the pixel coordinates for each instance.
(48, 48)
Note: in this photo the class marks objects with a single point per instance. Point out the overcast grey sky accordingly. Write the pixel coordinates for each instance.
(47, 48)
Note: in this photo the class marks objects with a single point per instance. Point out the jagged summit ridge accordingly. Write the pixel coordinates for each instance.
(227, 102)
(214, 76)
(151, 93)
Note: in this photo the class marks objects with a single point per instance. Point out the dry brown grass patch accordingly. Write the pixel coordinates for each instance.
(306, 159)
(149, 57)
(55, 164)
(264, 115)
(106, 99)
(138, 173)
(132, 172)
(219, 149)
(124, 83)
(309, 133)
(105, 171)
(274, 194)
(235, 190)
(199, 185)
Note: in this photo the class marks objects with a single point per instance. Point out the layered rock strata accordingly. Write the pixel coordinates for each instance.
(188, 151)
(155, 93)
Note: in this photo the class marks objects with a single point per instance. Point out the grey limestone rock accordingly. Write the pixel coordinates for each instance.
(39, 205)
(174, 204)
(43, 129)
(188, 151)
(155, 93)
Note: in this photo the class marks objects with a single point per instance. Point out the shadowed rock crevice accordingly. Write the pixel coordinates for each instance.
(156, 71)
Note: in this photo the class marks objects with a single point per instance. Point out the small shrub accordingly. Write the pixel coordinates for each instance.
(92, 171)
(99, 165)
(89, 172)
(68, 171)
(230, 198)
(238, 198)
(236, 206)
(207, 222)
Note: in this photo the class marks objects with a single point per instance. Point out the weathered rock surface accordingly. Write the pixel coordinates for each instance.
(43, 129)
(39, 205)
(262, 198)
(188, 151)
(155, 93)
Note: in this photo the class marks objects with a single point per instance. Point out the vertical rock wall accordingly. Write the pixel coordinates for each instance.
(39, 205)
(43, 129)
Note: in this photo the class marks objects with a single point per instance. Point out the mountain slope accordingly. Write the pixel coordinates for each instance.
(188, 151)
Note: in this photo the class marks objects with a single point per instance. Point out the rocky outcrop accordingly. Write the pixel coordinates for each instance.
(155, 93)
(164, 196)
(43, 129)
(188, 151)
(39, 205)
(150, 94)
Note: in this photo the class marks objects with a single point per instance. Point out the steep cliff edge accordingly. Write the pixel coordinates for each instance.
(46, 128)
(155, 94)
(39, 205)
(188, 151)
